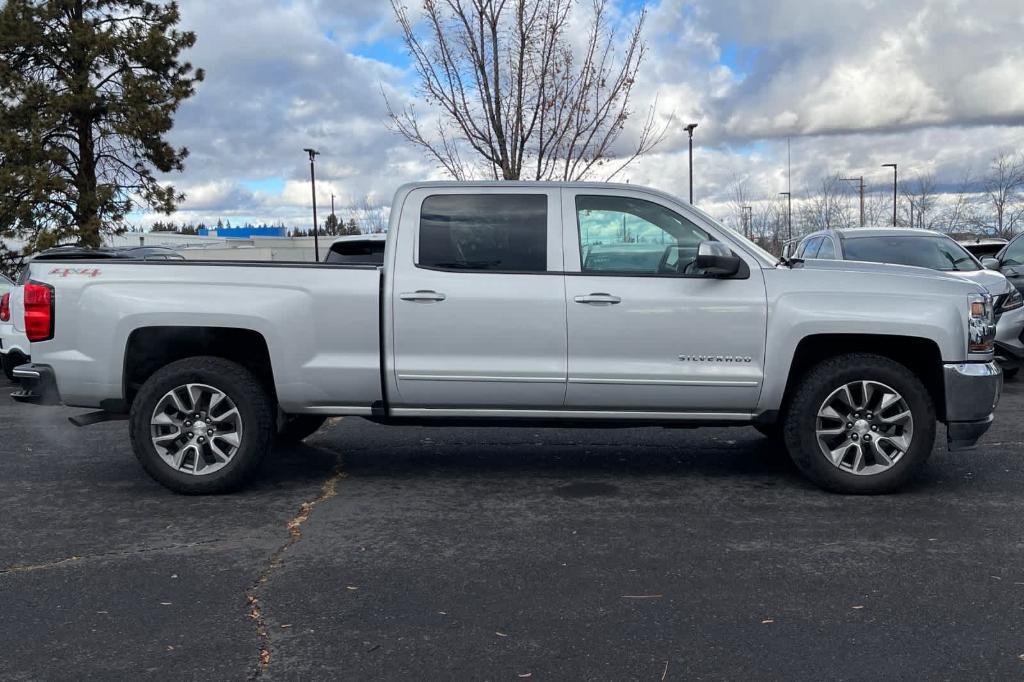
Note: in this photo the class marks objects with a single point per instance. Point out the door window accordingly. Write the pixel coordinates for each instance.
(623, 235)
(810, 249)
(484, 232)
(827, 250)
(1014, 255)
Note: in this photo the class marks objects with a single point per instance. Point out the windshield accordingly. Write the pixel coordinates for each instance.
(924, 251)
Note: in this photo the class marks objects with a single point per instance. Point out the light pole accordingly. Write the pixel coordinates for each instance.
(894, 172)
(789, 213)
(860, 182)
(689, 129)
(748, 219)
(312, 179)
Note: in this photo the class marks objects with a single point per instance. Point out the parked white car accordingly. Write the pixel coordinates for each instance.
(521, 303)
(934, 250)
(14, 345)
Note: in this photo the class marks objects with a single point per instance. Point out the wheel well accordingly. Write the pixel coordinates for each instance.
(920, 356)
(151, 348)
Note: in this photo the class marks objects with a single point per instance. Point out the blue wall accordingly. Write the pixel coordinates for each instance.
(245, 231)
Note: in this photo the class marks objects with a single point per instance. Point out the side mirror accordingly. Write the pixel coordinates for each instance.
(717, 260)
(990, 263)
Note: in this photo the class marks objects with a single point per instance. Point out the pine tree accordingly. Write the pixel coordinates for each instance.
(351, 227)
(331, 225)
(88, 91)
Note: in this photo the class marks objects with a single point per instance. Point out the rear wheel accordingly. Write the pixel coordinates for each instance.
(9, 361)
(861, 424)
(292, 428)
(201, 425)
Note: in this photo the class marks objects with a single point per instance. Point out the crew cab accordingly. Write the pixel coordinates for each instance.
(587, 304)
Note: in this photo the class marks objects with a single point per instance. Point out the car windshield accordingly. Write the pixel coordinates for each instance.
(923, 251)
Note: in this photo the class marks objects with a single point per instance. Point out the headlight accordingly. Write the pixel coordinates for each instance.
(981, 328)
(1012, 301)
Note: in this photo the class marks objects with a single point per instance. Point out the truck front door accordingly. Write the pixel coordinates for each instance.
(647, 331)
(478, 301)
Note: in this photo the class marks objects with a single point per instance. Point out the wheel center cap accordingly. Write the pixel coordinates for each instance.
(199, 427)
(861, 427)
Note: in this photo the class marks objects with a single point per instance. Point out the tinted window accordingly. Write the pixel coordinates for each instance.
(1014, 254)
(503, 232)
(625, 236)
(357, 252)
(827, 250)
(937, 253)
(811, 248)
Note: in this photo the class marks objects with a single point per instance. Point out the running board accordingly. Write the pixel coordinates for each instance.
(90, 418)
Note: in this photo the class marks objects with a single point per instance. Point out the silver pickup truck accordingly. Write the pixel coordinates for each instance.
(551, 303)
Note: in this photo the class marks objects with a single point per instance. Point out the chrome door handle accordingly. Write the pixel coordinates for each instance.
(425, 295)
(598, 299)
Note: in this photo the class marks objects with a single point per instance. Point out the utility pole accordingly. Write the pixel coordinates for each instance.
(312, 179)
(689, 129)
(748, 219)
(860, 182)
(789, 212)
(893, 166)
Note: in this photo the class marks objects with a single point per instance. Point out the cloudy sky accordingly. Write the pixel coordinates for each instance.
(935, 85)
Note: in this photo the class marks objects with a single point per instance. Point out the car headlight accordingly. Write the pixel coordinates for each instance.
(1012, 301)
(981, 328)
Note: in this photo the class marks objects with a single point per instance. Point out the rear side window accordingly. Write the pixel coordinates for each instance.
(357, 252)
(484, 232)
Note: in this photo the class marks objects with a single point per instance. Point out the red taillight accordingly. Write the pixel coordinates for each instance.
(38, 311)
(5, 307)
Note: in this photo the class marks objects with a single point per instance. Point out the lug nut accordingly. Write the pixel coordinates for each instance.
(856, 415)
(201, 439)
(869, 415)
(874, 427)
(853, 436)
(849, 425)
(209, 432)
(190, 434)
(188, 423)
(867, 437)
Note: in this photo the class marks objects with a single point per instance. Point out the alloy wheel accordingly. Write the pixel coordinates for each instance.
(196, 429)
(864, 427)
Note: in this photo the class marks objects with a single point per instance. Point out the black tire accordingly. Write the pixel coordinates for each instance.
(1009, 374)
(254, 405)
(771, 431)
(818, 385)
(10, 360)
(296, 427)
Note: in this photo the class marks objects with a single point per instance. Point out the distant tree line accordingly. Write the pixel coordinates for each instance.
(988, 204)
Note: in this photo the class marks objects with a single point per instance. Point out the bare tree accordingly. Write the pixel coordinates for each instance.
(373, 215)
(921, 199)
(512, 96)
(1001, 188)
(740, 203)
(958, 213)
(827, 207)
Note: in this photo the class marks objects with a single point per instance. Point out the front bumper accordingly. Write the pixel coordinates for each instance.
(972, 393)
(38, 385)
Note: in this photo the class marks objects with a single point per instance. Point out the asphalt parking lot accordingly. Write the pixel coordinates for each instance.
(411, 553)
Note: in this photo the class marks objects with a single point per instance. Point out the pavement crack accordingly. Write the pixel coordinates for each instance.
(328, 489)
(27, 568)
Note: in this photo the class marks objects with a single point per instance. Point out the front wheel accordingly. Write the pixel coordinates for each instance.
(860, 424)
(201, 425)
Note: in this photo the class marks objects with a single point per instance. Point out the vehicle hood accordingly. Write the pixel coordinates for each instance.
(994, 282)
(853, 266)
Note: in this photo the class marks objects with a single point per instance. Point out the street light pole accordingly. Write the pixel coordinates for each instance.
(860, 183)
(312, 179)
(689, 129)
(748, 219)
(789, 212)
(893, 166)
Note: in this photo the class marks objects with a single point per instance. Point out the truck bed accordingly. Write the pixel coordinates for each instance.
(320, 324)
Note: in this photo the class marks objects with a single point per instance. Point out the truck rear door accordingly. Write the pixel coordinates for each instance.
(478, 300)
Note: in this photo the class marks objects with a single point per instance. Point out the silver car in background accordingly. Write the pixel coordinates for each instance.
(935, 251)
